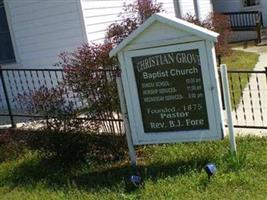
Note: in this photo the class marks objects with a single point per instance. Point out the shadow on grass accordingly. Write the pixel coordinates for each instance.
(32, 172)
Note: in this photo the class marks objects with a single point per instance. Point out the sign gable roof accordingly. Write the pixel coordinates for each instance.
(171, 21)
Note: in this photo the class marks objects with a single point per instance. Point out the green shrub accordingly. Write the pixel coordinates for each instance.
(12, 145)
(75, 147)
(66, 147)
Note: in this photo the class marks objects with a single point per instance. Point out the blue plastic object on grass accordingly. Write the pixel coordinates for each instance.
(210, 169)
(136, 180)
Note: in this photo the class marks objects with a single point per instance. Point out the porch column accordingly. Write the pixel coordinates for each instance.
(178, 8)
(197, 8)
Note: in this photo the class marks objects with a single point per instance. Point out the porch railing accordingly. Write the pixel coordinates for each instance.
(246, 21)
(243, 21)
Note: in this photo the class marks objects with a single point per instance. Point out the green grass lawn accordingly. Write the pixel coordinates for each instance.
(168, 172)
(239, 60)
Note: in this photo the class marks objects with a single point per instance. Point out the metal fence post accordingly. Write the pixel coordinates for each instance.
(258, 26)
(219, 57)
(13, 124)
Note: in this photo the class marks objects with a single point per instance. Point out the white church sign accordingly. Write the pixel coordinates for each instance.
(170, 83)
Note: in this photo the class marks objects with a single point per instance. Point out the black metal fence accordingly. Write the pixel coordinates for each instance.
(16, 83)
(248, 95)
(249, 98)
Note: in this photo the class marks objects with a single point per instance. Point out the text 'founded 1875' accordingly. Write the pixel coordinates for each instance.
(171, 91)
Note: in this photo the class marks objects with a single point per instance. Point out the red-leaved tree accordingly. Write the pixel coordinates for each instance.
(134, 14)
(218, 23)
(83, 68)
(87, 74)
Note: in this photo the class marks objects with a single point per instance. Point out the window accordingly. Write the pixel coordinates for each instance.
(248, 3)
(6, 48)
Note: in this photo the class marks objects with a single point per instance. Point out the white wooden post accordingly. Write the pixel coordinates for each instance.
(228, 107)
(126, 122)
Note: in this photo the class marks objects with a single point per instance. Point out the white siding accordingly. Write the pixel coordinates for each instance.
(99, 14)
(227, 5)
(187, 7)
(168, 7)
(205, 8)
(44, 28)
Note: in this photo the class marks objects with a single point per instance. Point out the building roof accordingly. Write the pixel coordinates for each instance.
(171, 21)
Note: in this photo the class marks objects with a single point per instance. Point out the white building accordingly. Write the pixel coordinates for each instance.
(38, 30)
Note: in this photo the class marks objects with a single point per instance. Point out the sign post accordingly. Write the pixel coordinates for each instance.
(169, 88)
(126, 122)
(228, 107)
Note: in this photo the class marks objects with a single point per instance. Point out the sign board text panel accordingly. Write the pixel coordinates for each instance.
(171, 91)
